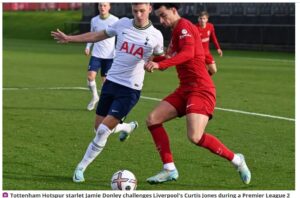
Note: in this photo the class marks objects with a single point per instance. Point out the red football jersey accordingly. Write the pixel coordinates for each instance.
(187, 55)
(206, 34)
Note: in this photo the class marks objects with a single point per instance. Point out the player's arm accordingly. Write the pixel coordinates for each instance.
(93, 37)
(158, 57)
(186, 52)
(215, 41)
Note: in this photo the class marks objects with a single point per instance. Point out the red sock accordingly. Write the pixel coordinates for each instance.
(161, 140)
(211, 143)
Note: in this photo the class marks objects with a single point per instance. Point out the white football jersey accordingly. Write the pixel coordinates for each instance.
(134, 47)
(106, 48)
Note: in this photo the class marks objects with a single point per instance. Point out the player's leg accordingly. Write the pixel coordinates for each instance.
(166, 110)
(96, 146)
(93, 150)
(91, 82)
(93, 68)
(125, 99)
(163, 112)
(102, 131)
(122, 128)
(105, 66)
(103, 78)
(210, 64)
(125, 129)
(116, 101)
(196, 124)
(197, 118)
(126, 104)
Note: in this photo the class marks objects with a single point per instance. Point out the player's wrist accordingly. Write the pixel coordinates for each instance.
(160, 67)
(69, 38)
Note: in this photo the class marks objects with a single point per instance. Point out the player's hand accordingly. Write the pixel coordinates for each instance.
(220, 52)
(59, 36)
(87, 51)
(151, 66)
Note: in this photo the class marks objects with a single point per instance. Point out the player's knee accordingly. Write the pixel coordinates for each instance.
(151, 119)
(90, 77)
(195, 137)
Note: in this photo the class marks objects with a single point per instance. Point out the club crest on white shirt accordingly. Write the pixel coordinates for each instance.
(147, 39)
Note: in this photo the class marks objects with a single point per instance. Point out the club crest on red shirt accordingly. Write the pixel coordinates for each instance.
(184, 33)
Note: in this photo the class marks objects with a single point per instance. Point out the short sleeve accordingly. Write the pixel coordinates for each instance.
(113, 29)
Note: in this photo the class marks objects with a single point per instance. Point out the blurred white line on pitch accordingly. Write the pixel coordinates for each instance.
(150, 98)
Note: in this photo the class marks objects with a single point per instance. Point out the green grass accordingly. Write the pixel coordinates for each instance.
(36, 25)
(46, 132)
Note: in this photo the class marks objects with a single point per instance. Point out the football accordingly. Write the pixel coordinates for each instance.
(123, 180)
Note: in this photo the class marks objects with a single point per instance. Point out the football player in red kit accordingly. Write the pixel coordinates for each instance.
(195, 97)
(207, 32)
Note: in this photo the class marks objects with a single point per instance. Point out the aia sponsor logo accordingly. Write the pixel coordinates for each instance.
(132, 49)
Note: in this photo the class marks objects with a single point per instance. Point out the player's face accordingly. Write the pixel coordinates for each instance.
(203, 20)
(166, 16)
(141, 13)
(104, 8)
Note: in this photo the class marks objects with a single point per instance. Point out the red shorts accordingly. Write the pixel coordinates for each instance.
(200, 102)
(209, 59)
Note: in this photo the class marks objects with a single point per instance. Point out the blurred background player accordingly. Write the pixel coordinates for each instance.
(103, 51)
(207, 32)
(195, 97)
(138, 40)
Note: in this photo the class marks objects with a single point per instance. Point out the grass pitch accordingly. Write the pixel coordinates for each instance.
(46, 127)
(46, 131)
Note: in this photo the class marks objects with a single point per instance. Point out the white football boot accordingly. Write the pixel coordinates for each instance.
(93, 103)
(243, 170)
(124, 135)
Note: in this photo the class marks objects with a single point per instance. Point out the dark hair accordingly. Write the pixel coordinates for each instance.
(167, 5)
(203, 13)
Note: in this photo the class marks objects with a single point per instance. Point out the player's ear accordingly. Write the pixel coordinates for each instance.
(150, 8)
(174, 10)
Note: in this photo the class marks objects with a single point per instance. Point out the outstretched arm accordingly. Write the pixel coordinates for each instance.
(81, 38)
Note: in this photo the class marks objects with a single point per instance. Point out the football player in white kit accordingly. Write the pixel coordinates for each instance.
(103, 51)
(137, 42)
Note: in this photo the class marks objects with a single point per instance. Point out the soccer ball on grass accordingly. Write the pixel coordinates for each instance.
(123, 180)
